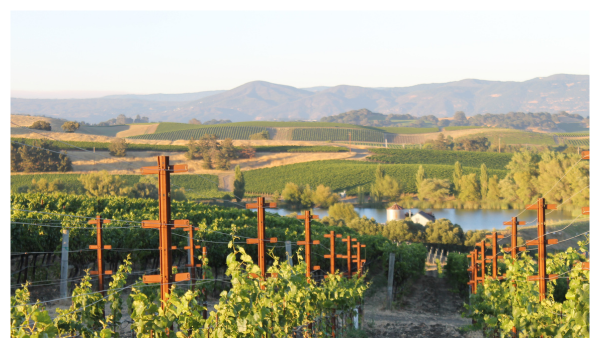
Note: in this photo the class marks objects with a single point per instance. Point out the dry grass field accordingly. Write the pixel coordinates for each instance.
(26, 121)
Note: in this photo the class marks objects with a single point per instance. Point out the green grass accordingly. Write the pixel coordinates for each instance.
(207, 184)
(103, 131)
(409, 130)
(425, 156)
(301, 149)
(463, 127)
(104, 146)
(514, 137)
(345, 175)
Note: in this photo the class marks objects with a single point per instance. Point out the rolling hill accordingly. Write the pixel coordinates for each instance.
(260, 100)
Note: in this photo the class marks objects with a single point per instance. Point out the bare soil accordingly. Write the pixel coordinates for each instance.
(428, 309)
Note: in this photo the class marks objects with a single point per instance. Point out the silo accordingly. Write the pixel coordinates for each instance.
(394, 212)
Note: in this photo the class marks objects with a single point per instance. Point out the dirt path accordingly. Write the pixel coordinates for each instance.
(428, 309)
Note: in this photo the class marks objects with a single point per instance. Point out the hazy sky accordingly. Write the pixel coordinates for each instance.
(62, 54)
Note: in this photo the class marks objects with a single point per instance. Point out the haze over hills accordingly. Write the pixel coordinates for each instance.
(260, 100)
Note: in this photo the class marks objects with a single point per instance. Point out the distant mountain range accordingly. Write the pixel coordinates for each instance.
(260, 100)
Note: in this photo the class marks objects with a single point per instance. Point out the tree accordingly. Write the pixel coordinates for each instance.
(193, 150)
(469, 188)
(460, 117)
(102, 184)
(323, 197)
(276, 196)
(420, 177)
(239, 184)
(493, 193)
(41, 125)
(344, 211)
(70, 127)
(404, 230)
(42, 157)
(385, 186)
(228, 150)
(118, 147)
(194, 121)
(483, 178)
(434, 189)
(364, 226)
(456, 177)
(473, 237)
(42, 185)
(444, 232)
(292, 193)
(306, 198)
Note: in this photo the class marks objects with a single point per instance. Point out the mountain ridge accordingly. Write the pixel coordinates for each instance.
(261, 100)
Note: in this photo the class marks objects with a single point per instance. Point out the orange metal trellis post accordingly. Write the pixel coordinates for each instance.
(348, 255)
(164, 225)
(513, 249)
(190, 228)
(494, 237)
(260, 205)
(473, 269)
(307, 217)
(332, 236)
(541, 243)
(358, 260)
(99, 247)
(480, 279)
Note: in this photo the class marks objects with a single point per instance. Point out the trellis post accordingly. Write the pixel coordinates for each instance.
(164, 225)
(390, 287)
(494, 237)
(307, 217)
(541, 243)
(260, 205)
(348, 255)
(64, 263)
(332, 236)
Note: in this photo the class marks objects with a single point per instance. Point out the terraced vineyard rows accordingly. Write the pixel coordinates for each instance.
(382, 145)
(446, 157)
(345, 175)
(577, 134)
(578, 142)
(336, 134)
(236, 133)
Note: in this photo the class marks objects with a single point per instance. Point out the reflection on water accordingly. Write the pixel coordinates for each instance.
(468, 219)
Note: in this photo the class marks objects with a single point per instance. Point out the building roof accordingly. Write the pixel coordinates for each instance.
(426, 215)
(395, 207)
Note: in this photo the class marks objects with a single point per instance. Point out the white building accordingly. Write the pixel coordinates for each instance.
(422, 218)
(394, 213)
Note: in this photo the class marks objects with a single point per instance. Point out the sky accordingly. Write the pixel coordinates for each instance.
(76, 54)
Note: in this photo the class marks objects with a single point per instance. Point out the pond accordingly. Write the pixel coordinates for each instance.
(468, 219)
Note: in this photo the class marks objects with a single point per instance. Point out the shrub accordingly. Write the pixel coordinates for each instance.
(118, 147)
(41, 125)
(70, 127)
